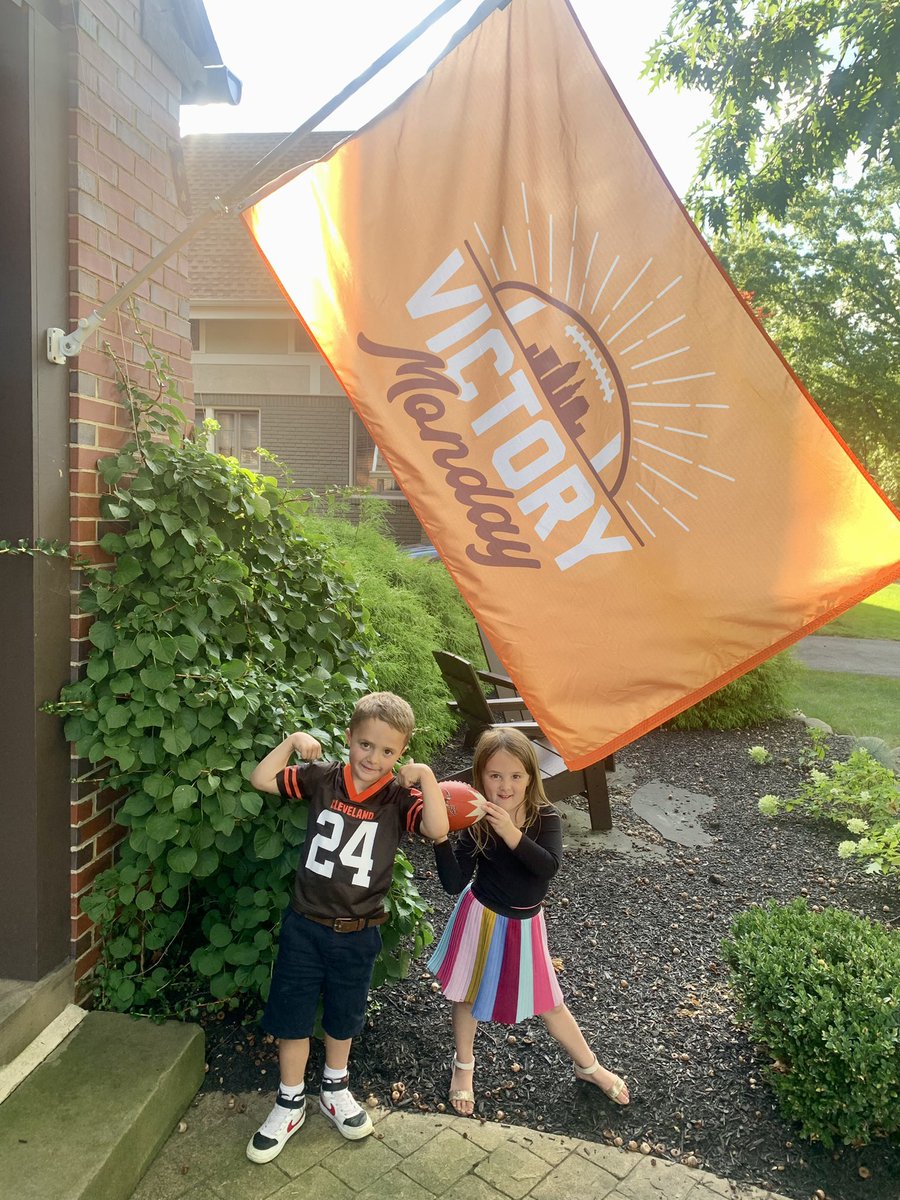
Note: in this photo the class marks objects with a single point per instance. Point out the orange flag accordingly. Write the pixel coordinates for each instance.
(630, 487)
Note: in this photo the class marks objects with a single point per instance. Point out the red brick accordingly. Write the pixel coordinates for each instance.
(84, 458)
(115, 199)
(81, 924)
(82, 531)
(112, 837)
(85, 506)
(86, 951)
(82, 230)
(110, 439)
(81, 127)
(85, 409)
(81, 811)
(96, 110)
(82, 880)
(84, 483)
(106, 799)
(136, 237)
(87, 258)
(112, 147)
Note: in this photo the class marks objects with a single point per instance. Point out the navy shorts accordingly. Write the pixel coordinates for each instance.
(315, 961)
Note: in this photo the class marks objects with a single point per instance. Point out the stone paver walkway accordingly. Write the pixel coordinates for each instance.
(410, 1156)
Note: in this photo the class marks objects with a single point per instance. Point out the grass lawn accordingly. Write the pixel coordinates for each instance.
(863, 705)
(877, 617)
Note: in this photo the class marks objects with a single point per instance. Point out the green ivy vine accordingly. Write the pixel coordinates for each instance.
(219, 626)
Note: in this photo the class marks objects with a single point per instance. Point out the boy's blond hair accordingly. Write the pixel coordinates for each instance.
(385, 706)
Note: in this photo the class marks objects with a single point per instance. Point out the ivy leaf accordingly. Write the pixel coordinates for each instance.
(235, 669)
(176, 741)
(103, 635)
(182, 859)
(184, 797)
(97, 668)
(267, 843)
(127, 570)
(158, 679)
(125, 655)
(207, 961)
(162, 827)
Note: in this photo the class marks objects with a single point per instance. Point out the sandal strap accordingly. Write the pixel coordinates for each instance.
(591, 1070)
(463, 1066)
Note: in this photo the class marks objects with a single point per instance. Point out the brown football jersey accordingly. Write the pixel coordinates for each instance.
(347, 857)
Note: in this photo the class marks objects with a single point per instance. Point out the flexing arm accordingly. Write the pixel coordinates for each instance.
(299, 743)
(434, 823)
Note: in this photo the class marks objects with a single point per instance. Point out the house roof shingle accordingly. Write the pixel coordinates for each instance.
(225, 264)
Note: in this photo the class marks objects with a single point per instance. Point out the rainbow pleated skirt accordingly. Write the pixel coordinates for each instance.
(499, 965)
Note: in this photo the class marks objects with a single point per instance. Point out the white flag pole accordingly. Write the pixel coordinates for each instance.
(62, 346)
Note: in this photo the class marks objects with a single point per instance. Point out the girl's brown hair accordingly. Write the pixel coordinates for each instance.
(520, 747)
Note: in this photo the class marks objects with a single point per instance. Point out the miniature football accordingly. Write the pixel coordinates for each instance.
(465, 805)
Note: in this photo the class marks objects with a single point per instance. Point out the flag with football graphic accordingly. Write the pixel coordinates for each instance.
(628, 484)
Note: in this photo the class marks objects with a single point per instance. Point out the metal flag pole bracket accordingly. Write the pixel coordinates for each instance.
(62, 346)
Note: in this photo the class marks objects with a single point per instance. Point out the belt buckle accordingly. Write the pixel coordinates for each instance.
(339, 923)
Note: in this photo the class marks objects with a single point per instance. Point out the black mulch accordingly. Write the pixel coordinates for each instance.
(641, 970)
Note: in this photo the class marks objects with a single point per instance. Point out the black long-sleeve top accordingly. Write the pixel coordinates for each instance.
(510, 882)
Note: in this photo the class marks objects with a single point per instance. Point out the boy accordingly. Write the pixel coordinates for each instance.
(329, 936)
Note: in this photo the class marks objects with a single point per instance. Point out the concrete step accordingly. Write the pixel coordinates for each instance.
(27, 1008)
(89, 1120)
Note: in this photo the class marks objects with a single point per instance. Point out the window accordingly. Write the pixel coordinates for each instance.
(238, 435)
(371, 471)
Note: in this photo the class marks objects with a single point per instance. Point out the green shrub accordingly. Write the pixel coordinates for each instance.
(758, 696)
(863, 795)
(820, 992)
(415, 608)
(219, 626)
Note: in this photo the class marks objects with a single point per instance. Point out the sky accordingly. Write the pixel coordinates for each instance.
(294, 55)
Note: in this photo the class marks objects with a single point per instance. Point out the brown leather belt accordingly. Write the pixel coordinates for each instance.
(347, 924)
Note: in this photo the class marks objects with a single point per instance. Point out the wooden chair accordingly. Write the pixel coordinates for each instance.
(480, 712)
(492, 658)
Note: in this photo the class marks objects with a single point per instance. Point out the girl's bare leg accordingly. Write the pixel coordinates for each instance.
(464, 1027)
(563, 1026)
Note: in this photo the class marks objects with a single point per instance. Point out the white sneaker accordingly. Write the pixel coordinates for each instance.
(282, 1122)
(338, 1105)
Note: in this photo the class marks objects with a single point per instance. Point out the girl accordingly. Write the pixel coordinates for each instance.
(492, 960)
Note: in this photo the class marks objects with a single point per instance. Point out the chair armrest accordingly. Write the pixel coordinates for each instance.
(494, 678)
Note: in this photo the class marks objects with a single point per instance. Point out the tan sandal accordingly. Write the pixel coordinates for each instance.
(465, 1094)
(612, 1093)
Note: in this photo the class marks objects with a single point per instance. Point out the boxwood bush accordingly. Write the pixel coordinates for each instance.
(760, 695)
(414, 606)
(820, 991)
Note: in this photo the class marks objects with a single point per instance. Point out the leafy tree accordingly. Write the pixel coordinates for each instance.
(828, 283)
(798, 86)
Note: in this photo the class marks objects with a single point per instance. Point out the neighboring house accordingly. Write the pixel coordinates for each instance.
(91, 189)
(255, 369)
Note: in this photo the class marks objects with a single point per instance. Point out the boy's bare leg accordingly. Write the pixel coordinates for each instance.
(464, 1029)
(293, 1055)
(563, 1026)
(337, 1053)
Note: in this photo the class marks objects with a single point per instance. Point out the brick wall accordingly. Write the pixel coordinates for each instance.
(123, 208)
(311, 436)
